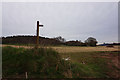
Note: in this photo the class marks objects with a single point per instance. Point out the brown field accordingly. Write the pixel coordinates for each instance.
(67, 49)
(84, 49)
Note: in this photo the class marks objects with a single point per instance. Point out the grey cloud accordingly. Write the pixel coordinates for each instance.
(70, 20)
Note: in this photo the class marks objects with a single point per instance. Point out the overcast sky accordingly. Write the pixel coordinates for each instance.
(71, 20)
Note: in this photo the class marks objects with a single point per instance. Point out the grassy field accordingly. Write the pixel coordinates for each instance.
(96, 64)
(69, 49)
(84, 62)
(74, 49)
(38, 63)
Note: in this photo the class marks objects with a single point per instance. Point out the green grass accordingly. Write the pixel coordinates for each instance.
(47, 63)
(42, 62)
(89, 64)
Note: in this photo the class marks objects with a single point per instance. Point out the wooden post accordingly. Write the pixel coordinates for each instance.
(26, 75)
(37, 41)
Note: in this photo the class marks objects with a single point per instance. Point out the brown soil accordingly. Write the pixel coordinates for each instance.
(113, 64)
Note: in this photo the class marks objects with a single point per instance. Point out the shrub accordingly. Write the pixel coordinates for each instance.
(39, 63)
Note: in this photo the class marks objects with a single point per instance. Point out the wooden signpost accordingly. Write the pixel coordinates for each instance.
(37, 41)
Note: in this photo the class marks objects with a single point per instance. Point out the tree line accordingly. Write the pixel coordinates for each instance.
(47, 41)
(89, 42)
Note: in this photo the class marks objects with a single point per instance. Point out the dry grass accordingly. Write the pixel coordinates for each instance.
(84, 49)
(73, 49)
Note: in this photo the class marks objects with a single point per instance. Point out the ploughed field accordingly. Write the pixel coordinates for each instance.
(60, 62)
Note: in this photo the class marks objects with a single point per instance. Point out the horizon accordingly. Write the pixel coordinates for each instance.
(58, 36)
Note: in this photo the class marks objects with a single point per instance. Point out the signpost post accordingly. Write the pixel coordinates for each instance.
(37, 41)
